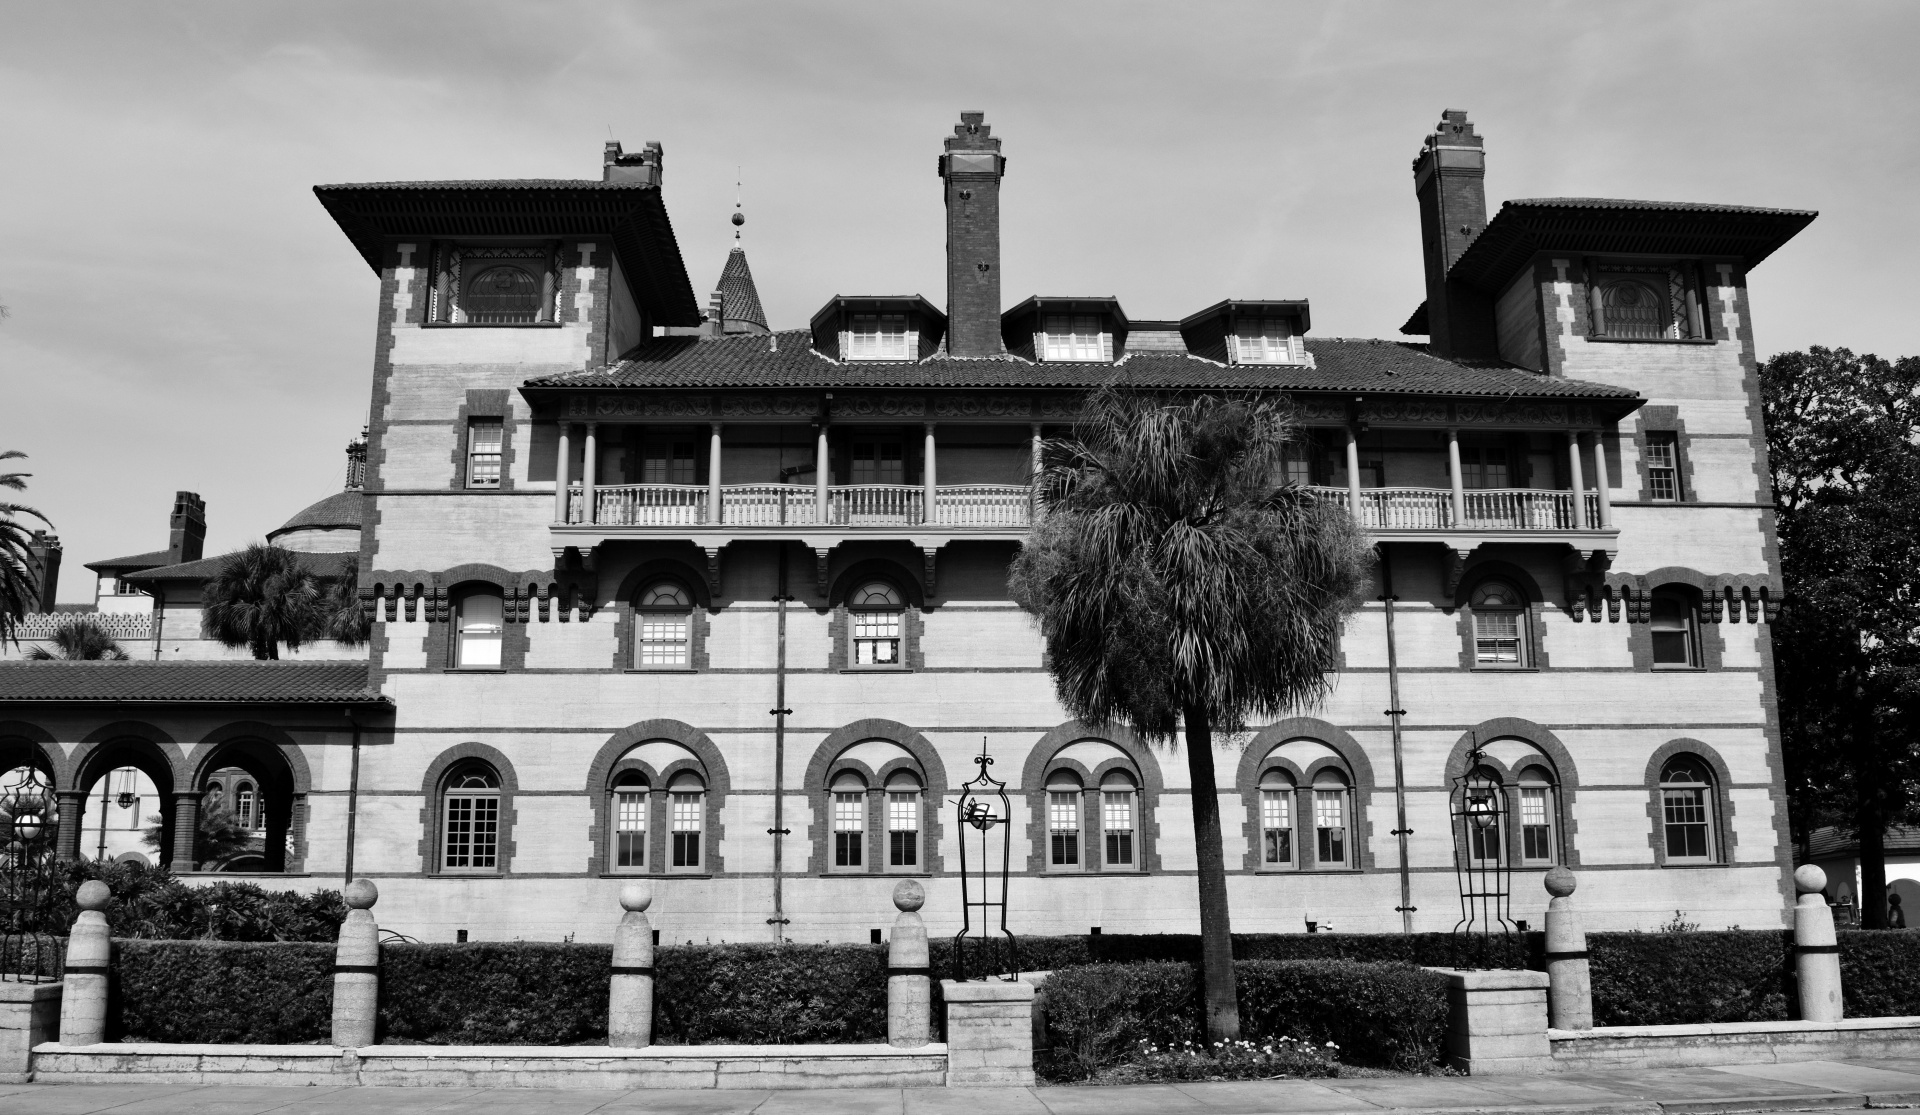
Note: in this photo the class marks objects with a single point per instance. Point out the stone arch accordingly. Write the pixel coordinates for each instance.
(1350, 756)
(434, 781)
(1033, 785)
(605, 765)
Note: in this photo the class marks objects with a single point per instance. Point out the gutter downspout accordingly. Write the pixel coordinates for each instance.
(353, 792)
(1406, 907)
(780, 713)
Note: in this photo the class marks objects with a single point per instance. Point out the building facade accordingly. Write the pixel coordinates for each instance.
(665, 594)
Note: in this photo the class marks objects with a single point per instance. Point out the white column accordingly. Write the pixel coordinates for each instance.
(1037, 450)
(589, 472)
(1579, 481)
(820, 477)
(927, 513)
(1353, 472)
(713, 473)
(560, 467)
(1453, 474)
(1600, 482)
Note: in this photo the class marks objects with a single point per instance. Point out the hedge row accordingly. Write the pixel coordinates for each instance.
(221, 991)
(150, 903)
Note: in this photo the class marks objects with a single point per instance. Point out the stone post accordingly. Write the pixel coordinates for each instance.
(989, 1033)
(630, 998)
(1569, 982)
(1498, 1024)
(356, 969)
(1816, 951)
(83, 1005)
(909, 977)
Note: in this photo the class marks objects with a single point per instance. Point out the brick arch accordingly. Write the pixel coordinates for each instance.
(896, 573)
(662, 569)
(86, 759)
(932, 771)
(431, 784)
(1489, 569)
(258, 748)
(1033, 786)
(1352, 756)
(606, 762)
(1724, 838)
(200, 759)
(53, 757)
(1565, 773)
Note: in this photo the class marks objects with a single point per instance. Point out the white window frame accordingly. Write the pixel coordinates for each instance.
(876, 627)
(1278, 798)
(1663, 466)
(1119, 801)
(486, 451)
(1688, 629)
(686, 815)
(1332, 800)
(1075, 338)
(1064, 828)
(905, 803)
(878, 337)
(479, 643)
(663, 628)
(629, 811)
(1537, 813)
(1263, 340)
(1490, 628)
(847, 808)
(1695, 802)
(470, 818)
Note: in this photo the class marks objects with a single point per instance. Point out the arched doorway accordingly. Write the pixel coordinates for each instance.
(98, 770)
(248, 806)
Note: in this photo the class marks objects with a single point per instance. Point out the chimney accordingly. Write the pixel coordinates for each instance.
(972, 168)
(641, 166)
(43, 554)
(187, 528)
(717, 314)
(1449, 178)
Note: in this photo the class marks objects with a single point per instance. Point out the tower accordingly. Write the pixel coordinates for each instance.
(971, 169)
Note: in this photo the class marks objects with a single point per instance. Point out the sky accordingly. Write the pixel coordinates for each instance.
(183, 315)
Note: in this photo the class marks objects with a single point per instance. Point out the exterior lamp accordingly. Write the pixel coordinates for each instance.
(127, 799)
(1480, 810)
(27, 827)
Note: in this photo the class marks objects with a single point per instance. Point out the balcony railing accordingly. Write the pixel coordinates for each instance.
(777, 505)
(1485, 508)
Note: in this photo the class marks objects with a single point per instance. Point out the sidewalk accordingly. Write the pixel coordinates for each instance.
(1804, 1086)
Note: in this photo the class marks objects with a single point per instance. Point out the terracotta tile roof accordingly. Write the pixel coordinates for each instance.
(341, 509)
(786, 359)
(206, 569)
(132, 561)
(741, 297)
(244, 682)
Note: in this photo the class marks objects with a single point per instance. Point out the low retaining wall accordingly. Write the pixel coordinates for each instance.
(1733, 1043)
(498, 1066)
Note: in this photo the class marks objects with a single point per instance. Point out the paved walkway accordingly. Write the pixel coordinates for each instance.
(1806, 1086)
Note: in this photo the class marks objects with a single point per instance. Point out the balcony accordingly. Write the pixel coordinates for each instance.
(957, 506)
(1484, 515)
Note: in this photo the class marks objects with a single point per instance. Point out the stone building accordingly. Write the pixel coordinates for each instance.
(664, 593)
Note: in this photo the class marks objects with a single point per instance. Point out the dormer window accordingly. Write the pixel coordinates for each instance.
(1080, 337)
(1654, 302)
(1262, 341)
(878, 337)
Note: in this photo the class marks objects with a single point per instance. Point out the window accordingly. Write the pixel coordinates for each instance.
(493, 286)
(687, 799)
(485, 436)
(663, 626)
(630, 822)
(1663, 472)
(1262, 341)
(875, 612)
(1686, 805)
(1076, 337)
(849, 821)
(1484, 467)
(1063, 821)
(243, 801)
(664, 461)
(1276, 819)
(878, 461)
(470, 821)
(1675, 639)
(878, 337)
(1117, 798)
(478, 630)
(1297, 462)
(903, 821)
(1651, 303)
(1330, 820)
(1536, 818)
(1485, 819)
(1499, 626)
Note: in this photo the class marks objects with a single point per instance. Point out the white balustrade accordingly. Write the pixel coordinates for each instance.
(875, 504)
(777, 505)
(1519, 509)
(767, 505)
(1406, 508)
(983, 505)
(650, 505)
(1486, 508)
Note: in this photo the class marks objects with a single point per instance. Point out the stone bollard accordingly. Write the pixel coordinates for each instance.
(83, 1004)
(630, 998)
(1569, 981)
(356, 969)
(1816, 951)
(909, 976)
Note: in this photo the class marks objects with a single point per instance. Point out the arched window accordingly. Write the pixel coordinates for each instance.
(875, 612)
(1063, 821)
(1484, 820)
(663, 628)
(1539, 839)
(628, 810)
(243, 802)
(1633, 309)
(849, 821)
(687, 799)
(1277, 792)
(1674, 628)
(1332, 806)
(1686, 807)
(470, 821)
(501, 295)
(1119, 798)
(479, 627)
(904, 796)
(1500, 630)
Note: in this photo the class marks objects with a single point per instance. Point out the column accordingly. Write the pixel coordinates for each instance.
(1454, 475)
(1600, 483)
(820, 477)
(72, 804)
(356, 969)
(927, 514)
(630, 991)
(186, 827)
(1816, 950)
(589, 470)
(909, 986)
(713, 474)
(1569, 979)
(1038, 443)
(1579, 481)
(1353, 472)
(560, 466)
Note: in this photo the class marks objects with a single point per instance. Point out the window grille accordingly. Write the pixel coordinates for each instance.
(1063, 828)
(1117, 819)
(502, 295)
(849, 828)
(689, 816)
(479, 631)
(1276, 827)
(1330, 827)
(1663, 472)
(1077, 337)
(878, 337)
(1536, 826)
(472, 822)
(1262, 341)
(1688, 812)
(1652, 303)
(485, 438)
(630, 827)
(903, 829)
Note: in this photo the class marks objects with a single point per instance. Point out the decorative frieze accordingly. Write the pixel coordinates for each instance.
(770, 404)
(879, 406)
(984, 406)
(1427, 411)
(639, 406)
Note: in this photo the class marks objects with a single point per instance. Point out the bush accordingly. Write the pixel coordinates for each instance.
(1233, 1060)
(219, 991)
(1657, 979)
(770, 994)
(495, 993)
(1100, 1015)
(1880, 972)
(150, 903)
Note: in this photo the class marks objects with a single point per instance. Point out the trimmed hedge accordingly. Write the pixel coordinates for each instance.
(278, 993)
(494, 993)
(1658, 979)
(1880, 972)
(770, 994)
(151, 903)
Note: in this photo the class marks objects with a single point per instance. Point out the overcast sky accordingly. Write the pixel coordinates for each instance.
(185, 316)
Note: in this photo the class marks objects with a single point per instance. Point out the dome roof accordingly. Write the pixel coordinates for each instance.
(339, 511)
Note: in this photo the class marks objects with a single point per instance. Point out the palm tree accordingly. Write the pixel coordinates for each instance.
(1178, 582)
(80, 639)
(264, 596)
(347, 622)
(19, 572)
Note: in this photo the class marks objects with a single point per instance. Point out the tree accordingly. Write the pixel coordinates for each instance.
(1178, 583)
(220, 836)
(264, 596)
(1843, 439)
(80, 639)
(19, 571)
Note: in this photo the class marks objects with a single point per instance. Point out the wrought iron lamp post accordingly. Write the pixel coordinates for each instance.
(985, 822)
(1482, 866)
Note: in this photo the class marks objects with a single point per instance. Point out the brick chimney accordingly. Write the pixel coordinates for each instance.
(186, 528)
(972, 169)
(641, 166)
(1449, 178)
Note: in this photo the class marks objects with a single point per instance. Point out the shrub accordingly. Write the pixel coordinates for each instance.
(495, 993)
(1233, 1060)
(1880, 972)
(219, 991)
(1655, 979)
(150, 903)
(1100, 1015)
(770, 994)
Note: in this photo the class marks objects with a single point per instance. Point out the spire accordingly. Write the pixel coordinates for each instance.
(740, 310)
